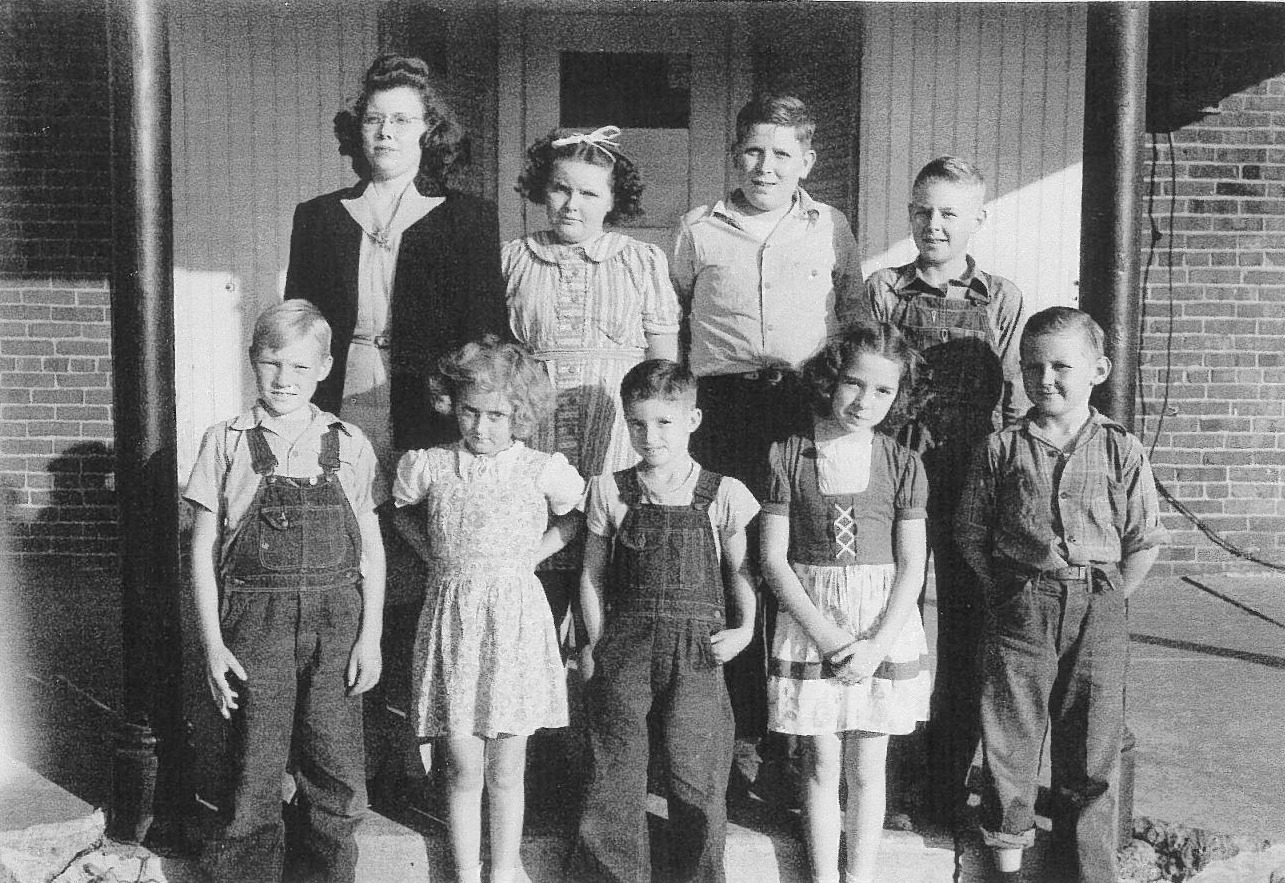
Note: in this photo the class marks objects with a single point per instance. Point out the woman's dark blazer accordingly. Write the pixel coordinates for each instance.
(447, 290)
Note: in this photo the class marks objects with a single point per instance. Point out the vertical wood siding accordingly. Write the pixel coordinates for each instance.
(1000, 84)
(255, 89)
(814, 54)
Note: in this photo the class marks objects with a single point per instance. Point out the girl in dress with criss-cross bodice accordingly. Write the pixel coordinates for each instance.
(843, 549)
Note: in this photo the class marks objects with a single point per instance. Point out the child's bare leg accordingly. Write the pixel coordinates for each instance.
(822, 761)
(506, 792)
(864, 762)
(465, 762)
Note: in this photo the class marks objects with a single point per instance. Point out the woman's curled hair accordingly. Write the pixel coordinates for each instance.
(446, 146)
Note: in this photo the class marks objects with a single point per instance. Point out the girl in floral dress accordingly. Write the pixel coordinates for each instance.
(487, 671)
(843, 548)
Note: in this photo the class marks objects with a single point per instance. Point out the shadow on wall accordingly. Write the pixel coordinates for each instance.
(60, 638)
(1200, 53)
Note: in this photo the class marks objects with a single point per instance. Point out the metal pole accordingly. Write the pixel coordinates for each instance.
(1115, 100)
(150, 748)
(1115, 81)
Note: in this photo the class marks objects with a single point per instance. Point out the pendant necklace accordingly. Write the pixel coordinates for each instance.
(380, 235)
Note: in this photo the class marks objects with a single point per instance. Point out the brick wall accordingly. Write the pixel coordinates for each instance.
(1218, 91)
(56, 483)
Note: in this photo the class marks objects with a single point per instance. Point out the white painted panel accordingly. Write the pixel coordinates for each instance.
(1000, 84)
(256, 85)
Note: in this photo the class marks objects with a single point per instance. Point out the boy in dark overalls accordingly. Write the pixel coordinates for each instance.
(666, 546)
(288, 577)
(966, 324)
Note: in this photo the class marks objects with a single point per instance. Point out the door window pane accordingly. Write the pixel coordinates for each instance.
(633, 90)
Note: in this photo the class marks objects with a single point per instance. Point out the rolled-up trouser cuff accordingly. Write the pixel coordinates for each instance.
(1003, 840)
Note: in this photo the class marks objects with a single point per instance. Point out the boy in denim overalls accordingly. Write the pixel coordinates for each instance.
(966, 323)
(288, 576)
(1061, 521)
(666, 545)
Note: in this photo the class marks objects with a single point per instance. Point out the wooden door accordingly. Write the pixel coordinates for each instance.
(662, 78)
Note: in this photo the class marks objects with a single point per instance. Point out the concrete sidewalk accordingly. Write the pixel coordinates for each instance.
(1206, 703)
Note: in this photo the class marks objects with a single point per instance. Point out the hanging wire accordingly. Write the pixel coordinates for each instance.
(1156, 236)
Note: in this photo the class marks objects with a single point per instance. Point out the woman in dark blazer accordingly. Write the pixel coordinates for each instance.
(403, 267)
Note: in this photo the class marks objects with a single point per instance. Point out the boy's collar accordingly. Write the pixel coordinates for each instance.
(260, 416)
(1096, 419)
(910, 281)
(802, 205)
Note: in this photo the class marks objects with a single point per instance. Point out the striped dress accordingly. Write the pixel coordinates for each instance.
(585, 310)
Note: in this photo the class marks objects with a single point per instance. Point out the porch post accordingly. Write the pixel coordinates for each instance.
(148, 758)
(1115, 90)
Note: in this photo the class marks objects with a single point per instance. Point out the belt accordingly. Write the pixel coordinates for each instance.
(1073, 572)
(379, 341)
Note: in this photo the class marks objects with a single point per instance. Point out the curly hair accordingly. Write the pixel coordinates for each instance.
(821, 373)
(626, 185)
(491, 365)
(446, 147)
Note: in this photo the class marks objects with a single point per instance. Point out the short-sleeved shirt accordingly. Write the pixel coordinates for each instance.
(887, 289)
(734, 507)
(897, 490)
(559, 481)
(756, 303)
(223, 479)
(1043, 507)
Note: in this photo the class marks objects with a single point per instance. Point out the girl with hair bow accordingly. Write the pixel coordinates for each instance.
(591, 303)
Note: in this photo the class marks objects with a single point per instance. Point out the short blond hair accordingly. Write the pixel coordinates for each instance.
(952, 169)
(281, 325)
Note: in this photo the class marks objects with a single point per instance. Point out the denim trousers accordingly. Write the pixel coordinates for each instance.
(662, 667)
(294, 646)
(1055, 653)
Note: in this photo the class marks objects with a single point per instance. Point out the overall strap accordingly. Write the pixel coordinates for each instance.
(628, 488)
(706, 490)
(329, 458)
(262, 460)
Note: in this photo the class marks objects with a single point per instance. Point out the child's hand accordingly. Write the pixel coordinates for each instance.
(861, 664)
(219, 663)
(364, 666)
(729, 642)
(586, 662)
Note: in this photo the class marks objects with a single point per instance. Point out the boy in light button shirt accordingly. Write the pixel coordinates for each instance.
(766, 277)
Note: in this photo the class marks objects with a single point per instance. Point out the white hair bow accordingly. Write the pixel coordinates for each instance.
(604, 138)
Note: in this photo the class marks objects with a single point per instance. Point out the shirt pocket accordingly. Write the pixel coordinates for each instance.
(1018, 496)
(1107, 503)
(724, 288)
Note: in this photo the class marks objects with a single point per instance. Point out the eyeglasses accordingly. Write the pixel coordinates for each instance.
(397, 121)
